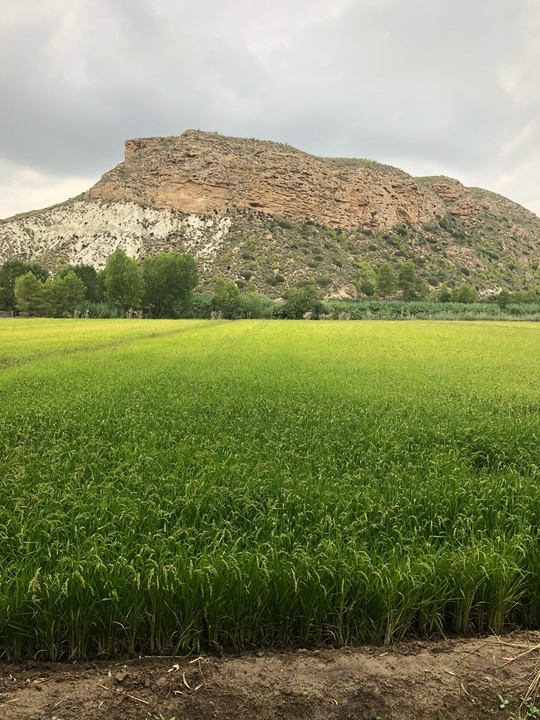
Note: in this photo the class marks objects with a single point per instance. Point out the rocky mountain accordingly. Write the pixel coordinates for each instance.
(265, 213)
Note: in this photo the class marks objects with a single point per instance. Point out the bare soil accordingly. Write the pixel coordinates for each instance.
(446, 679)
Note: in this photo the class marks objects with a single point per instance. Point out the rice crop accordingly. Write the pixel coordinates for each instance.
(180, 485)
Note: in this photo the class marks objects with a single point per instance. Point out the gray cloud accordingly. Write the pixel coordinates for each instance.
(445, 86)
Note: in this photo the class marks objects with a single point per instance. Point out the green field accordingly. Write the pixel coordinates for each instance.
(176, 485)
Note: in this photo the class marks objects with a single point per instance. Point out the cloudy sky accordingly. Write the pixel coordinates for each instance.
(432, 86)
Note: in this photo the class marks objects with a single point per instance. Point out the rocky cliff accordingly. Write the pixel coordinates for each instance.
(265, 213)
(204, 173)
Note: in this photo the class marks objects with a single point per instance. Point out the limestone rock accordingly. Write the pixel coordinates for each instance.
(204, 173)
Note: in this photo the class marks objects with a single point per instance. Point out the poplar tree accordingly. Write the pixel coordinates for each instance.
(124, 285)
(169, 280)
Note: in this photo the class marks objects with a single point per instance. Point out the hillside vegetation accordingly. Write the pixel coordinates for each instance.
(266, 214)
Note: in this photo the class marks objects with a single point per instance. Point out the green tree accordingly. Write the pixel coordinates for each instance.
(423, 290)
(169, 279)
(65, 293)
(124, 285)
(407, 280)
(302, 300)
(227, 299)
(465, 294)
(100, 285)
(503, 299)
(367, 288)
(255, 304)
(9, 272)
(444, 294)
(89, 277)
(365, 278)
(385, 281)
(31, 296)
(524, 296)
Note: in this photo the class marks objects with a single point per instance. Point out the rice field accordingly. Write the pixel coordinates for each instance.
(180, 485)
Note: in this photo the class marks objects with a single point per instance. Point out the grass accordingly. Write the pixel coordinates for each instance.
(187, 484)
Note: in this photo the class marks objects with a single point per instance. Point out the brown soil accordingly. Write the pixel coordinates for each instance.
(436, 680)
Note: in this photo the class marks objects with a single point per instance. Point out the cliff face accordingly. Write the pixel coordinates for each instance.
(266, 214)
(205, 172)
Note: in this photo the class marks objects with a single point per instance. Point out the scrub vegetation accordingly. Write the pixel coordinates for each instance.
(185, 485)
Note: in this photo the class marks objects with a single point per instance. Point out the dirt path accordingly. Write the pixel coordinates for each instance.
(439, 680)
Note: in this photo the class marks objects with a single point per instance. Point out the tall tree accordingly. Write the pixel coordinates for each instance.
(100, 286)
(444, 294)
(9, 272)
(227, 299)
(169, 280)
(385, 280)
(124, 285)
(65, 293)
(407, 280)
(89, 277)
(422, 290)
(31, 296)
(365, 278)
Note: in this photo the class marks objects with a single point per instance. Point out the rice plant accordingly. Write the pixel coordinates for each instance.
(179, 485)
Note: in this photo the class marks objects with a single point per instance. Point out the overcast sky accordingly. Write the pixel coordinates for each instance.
(432, 86)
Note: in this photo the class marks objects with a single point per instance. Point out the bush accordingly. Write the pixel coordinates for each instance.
(90, 309)
(285, 224)
(275, 280)
(200, 308)
(256, 305)
(303, 300)
(464, 294)
(401, 230)
(367, 288)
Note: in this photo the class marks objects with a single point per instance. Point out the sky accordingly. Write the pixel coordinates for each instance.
(435, 87)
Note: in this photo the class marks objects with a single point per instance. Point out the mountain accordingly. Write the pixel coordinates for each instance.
(265, 213)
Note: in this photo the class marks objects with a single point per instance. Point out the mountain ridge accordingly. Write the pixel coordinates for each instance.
(266, 213)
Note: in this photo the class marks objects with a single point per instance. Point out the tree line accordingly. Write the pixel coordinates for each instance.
(163, 286)
(384, 282)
